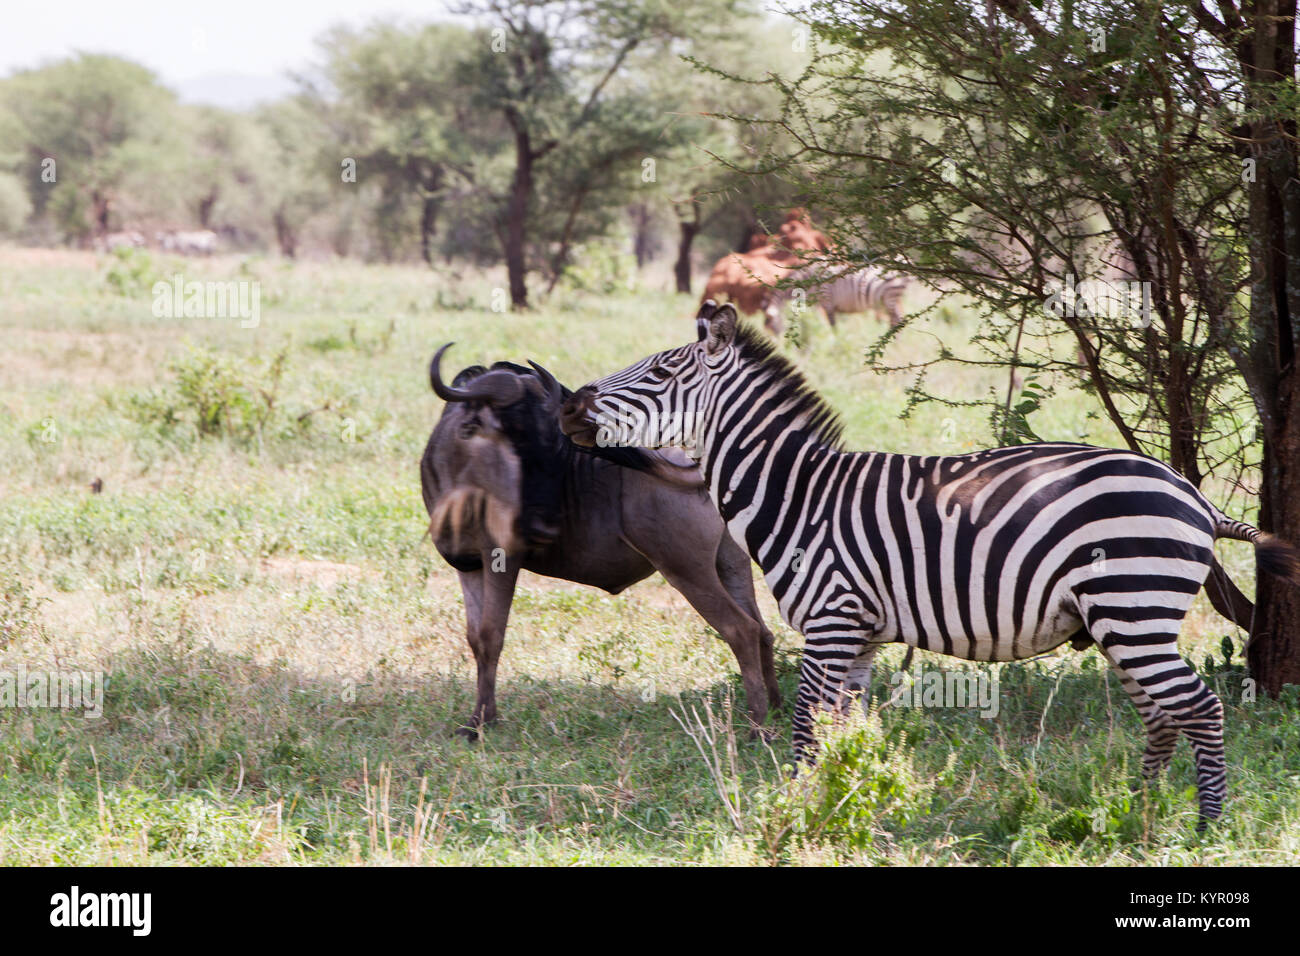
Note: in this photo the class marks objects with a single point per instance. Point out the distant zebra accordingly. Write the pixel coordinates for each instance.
(866, 290)
(995, 556)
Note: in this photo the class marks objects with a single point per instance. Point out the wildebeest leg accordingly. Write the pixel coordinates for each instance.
(471, 589)
(697, 579)
(488, 596)
(737, 576)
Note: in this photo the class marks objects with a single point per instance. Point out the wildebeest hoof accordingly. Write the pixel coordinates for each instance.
(469, 733)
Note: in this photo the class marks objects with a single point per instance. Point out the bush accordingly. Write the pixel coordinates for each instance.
(599, 269)
(132, 272)
(214, 396)
(864, 779)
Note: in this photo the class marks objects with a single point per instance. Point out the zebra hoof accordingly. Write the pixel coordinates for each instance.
(1204, 819)
(469, 734)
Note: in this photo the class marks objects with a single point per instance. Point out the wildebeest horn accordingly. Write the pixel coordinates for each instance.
(496, 388)
(554, 393)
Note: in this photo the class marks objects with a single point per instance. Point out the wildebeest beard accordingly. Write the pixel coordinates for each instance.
(547, 458)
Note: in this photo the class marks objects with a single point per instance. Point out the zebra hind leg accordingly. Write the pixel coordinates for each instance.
(1162, 733)
(1152, 662)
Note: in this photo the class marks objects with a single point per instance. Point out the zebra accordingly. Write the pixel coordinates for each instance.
(867, 290)
(999, 555)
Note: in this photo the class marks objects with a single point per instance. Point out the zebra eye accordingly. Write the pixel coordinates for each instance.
(658, 374)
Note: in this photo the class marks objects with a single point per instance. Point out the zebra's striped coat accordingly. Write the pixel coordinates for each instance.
(866, 290)
(999, 555)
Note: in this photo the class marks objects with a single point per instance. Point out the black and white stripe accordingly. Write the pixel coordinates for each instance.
(994, 556)
(866, 290)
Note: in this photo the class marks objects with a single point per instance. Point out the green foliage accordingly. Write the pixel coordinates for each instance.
(1011, 422)
(865, 779)
(15, 207)
(600, 269)
(19, 609)
(215, 396)
(102, 119)
(132, 272)
(1003, 160)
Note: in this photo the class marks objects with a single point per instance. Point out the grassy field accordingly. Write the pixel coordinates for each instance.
(285, 658)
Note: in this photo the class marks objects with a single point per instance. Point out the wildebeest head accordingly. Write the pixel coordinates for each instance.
(490, 471)
(494, 470)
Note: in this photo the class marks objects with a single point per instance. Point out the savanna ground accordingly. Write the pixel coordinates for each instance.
(284, 650)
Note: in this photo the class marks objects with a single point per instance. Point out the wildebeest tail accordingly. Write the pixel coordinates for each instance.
(1272, 555)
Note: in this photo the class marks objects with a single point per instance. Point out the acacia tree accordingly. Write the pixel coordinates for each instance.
(219, 176)
(707, 186)
(399, 100)
(546, 66)
(301, 169)
(1008, 150)
(100, 119)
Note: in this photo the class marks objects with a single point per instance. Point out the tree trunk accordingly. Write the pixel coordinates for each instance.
(640, 233)
(430, 177)
(1274, 655)
(561, 259)
(682, 268)
(521, 191)
(428, 227)
(100, 205)
(1274, 225)
(285, 235)
(206, 205)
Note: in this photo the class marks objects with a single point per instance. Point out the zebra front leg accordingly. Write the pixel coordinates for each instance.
(827, 659)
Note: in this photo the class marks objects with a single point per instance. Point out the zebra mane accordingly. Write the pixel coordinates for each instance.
(822, 422)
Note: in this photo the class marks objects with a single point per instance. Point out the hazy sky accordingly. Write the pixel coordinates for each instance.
(183, 40)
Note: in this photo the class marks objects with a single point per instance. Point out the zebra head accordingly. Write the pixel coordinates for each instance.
(659, 401)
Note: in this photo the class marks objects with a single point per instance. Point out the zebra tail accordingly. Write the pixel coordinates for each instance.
(1272, 555)
(1278, 557)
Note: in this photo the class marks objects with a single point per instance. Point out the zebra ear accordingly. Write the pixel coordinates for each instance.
(707, 308)
(722, 328)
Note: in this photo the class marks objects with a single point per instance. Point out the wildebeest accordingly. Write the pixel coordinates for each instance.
(505, 490)
(748, 279)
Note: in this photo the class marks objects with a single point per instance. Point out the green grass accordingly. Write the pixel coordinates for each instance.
(285, 655)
